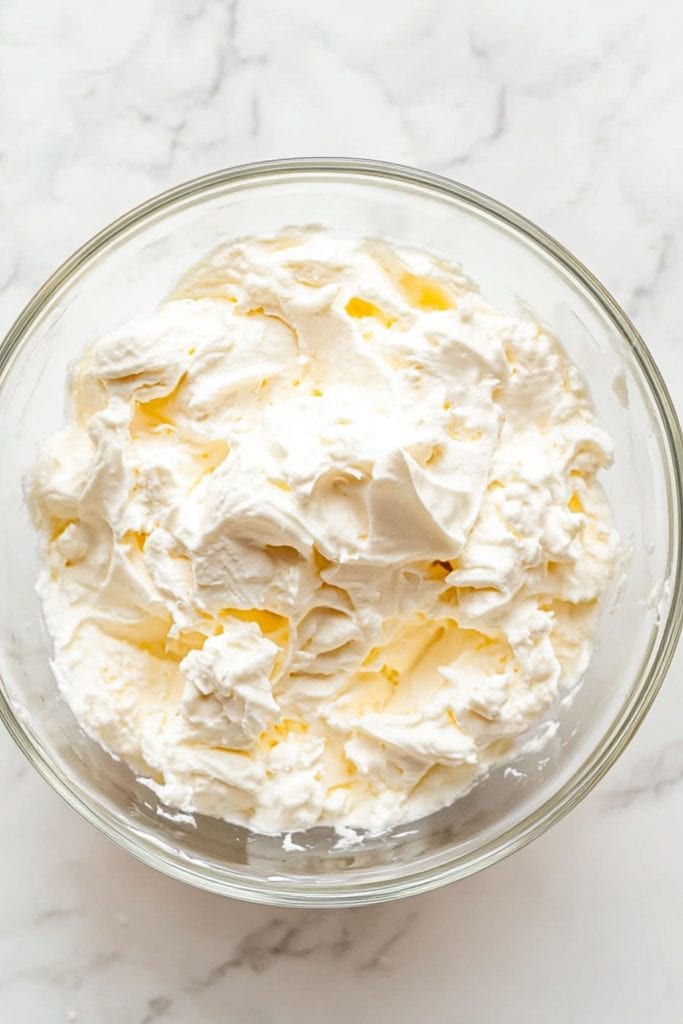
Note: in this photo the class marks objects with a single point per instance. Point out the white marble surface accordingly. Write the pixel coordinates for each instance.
(571, 113)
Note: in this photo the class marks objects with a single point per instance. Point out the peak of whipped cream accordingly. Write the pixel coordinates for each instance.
(322, 537)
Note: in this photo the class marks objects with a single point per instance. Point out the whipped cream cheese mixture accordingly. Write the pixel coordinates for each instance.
(322, 539)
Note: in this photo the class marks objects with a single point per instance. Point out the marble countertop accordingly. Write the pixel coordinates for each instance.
(570, 113)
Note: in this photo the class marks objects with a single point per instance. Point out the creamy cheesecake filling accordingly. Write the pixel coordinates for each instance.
(323, 538)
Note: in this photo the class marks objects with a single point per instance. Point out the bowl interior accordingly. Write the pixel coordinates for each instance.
(130, 269)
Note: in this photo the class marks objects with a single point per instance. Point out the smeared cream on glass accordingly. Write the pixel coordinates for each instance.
(322, 538)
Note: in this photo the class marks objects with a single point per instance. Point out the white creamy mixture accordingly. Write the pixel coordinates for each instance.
(323, 537)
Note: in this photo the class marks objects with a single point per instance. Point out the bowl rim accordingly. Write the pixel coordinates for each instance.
(305, 892)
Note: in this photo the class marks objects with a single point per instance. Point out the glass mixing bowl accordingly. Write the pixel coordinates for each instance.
(132, 265)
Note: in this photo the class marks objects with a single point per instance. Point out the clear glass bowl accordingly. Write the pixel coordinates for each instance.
(132, 265)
